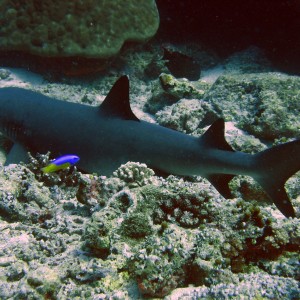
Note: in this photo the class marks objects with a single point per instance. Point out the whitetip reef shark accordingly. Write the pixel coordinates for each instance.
(110, 135)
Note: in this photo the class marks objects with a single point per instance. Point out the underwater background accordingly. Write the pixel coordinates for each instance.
(135, 234)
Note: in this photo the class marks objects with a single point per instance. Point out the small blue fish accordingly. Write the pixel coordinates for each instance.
(60, 163)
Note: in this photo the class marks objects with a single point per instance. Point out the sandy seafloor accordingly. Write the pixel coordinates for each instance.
(136, 235)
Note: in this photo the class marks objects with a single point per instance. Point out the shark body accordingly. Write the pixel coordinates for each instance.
(110, 135)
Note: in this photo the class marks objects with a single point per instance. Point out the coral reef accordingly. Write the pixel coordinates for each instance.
(169, 90)
(135, 235)
(186, 115)
(94, 29)
(184, 204)
(134, 174)
(251, 286)
(20, 199)
(159, 264)
(265, 105)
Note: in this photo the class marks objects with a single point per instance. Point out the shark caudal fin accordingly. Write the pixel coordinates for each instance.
(275, 166)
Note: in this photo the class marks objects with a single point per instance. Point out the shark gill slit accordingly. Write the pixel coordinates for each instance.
(12, 130)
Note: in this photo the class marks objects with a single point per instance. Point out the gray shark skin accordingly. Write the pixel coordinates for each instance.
(110, 135)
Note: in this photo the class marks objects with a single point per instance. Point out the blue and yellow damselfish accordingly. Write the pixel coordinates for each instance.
(60, 163)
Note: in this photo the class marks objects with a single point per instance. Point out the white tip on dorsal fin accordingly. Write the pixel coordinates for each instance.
(116, 104)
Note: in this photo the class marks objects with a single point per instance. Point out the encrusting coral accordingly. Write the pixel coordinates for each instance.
(91, 29)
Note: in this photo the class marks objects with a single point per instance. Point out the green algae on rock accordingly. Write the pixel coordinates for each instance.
(183, 88)
(186, 115)
(137, 225)
(169, 90)
(264, 104)
(91, 29)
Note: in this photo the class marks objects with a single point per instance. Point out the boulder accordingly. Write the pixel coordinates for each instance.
(89, 28)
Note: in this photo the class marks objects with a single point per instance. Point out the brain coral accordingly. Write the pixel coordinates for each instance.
(88, 28)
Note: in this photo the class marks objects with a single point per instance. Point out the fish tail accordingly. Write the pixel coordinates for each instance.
(274, 167)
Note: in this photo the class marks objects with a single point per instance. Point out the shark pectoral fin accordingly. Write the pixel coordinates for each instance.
(220, 182)
(117, 104)
(17, 154)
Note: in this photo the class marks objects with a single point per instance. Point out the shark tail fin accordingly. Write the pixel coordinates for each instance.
(276, 165)
(272, 168)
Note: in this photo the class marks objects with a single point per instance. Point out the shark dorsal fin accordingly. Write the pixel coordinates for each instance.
(214, 136)
(116, 104)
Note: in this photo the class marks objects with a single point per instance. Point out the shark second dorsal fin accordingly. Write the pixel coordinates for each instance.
(214, 136)
(116, 104)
